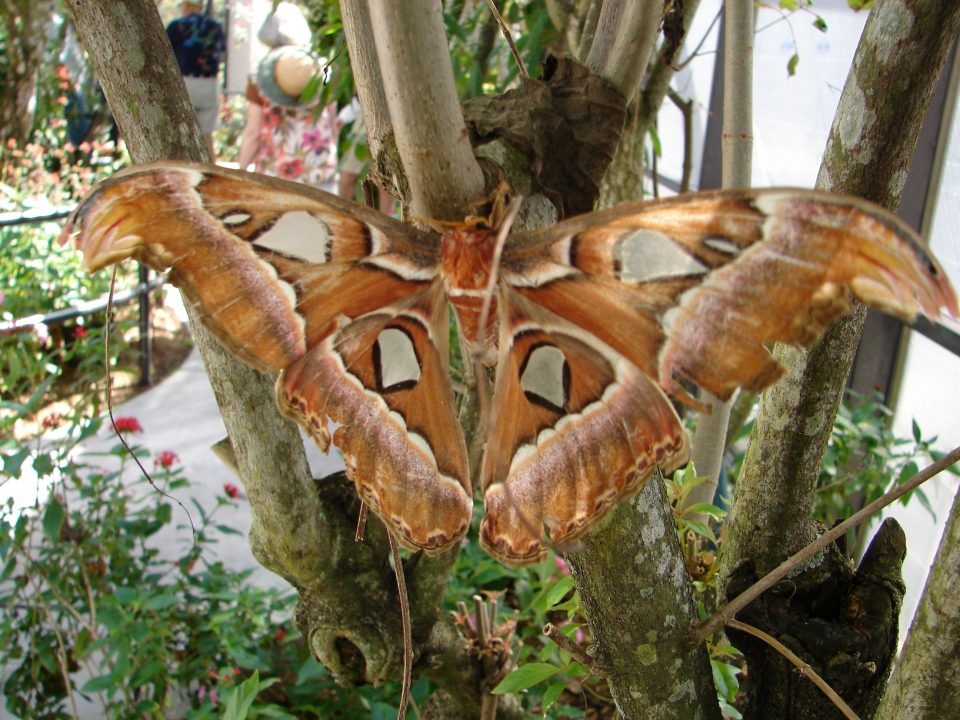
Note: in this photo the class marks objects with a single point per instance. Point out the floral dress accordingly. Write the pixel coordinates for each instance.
(297, 143)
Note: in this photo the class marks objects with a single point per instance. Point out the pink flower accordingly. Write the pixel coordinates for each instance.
(313, 139)
(165, 459)
(127, 424)
(271, 118)
(561, 565)
(231, 490)
(42, 332)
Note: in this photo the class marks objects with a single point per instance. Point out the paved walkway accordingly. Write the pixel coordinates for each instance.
(180, 414)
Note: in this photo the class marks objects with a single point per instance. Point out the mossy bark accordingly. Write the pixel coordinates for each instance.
(639, 602)
(926, 680)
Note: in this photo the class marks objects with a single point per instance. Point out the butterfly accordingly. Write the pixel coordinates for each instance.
(591, 324)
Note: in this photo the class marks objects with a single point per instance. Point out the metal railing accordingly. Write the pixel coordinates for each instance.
(139, 292)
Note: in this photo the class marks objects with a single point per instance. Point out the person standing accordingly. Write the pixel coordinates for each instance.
(199, 45)
(286, 135)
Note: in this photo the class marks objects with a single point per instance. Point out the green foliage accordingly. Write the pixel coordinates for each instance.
(84, 587)
(40, 364)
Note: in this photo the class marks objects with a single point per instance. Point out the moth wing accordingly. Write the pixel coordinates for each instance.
(691, 288)
(574, 427)
(383, 378)
(270, 265)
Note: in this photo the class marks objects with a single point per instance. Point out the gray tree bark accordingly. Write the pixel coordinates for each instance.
(926, 679)
(638, 600)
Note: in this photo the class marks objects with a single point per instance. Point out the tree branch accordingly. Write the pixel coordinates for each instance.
(709, 440)
(728, 611)
(637, 595)
(625, 37)
(429, 129)
(868, 154)
(924, 681)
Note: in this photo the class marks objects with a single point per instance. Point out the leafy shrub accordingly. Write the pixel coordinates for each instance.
(84, 587)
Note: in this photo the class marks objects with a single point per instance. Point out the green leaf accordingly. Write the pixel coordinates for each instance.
(820, 24)
(98, 684)
(554, 690)
(525, 676)
(789, 5)
(559, 590)
(655, 140)
(53, 518)
(706, 509)
(160, 602)
(917, 434)
(241, 698)
(13, 462)
(125, 595)
(43, 464)
(792, 64)
(701, 529)
(227, 530)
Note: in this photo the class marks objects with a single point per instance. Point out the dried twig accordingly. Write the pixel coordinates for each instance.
(509, 38)
(405, 620)
(113, 422)
(361, 523)
(726, 614)
(563, 642)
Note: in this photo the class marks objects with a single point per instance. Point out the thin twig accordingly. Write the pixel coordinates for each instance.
(483, 622)
(726, 614)
(361, 523)
(62, 661)
(801, 665)
(565, 643)
(405, 620)
(509, 38)
(113, 421)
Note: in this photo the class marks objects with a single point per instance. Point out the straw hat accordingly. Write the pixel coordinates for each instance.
(285, 72)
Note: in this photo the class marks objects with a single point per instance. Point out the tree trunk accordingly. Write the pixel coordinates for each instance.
(903, 49)
(639, 602)
(26, 26)
(926, 679)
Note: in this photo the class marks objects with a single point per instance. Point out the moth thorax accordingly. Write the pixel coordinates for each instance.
(466, 257)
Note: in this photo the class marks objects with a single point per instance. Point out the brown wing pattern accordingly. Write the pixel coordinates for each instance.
(382, 378)
(598, 316)
(691, 288)
(269, 264)
(574, 428)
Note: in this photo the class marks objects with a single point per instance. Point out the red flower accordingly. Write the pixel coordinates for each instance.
(127, 424)
(279, 635)
(52, 420)
(80, 331)
(290, 168)
(165, 459)
(231, 490)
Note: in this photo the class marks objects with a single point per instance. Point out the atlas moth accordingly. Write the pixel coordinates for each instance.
(591, 323)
